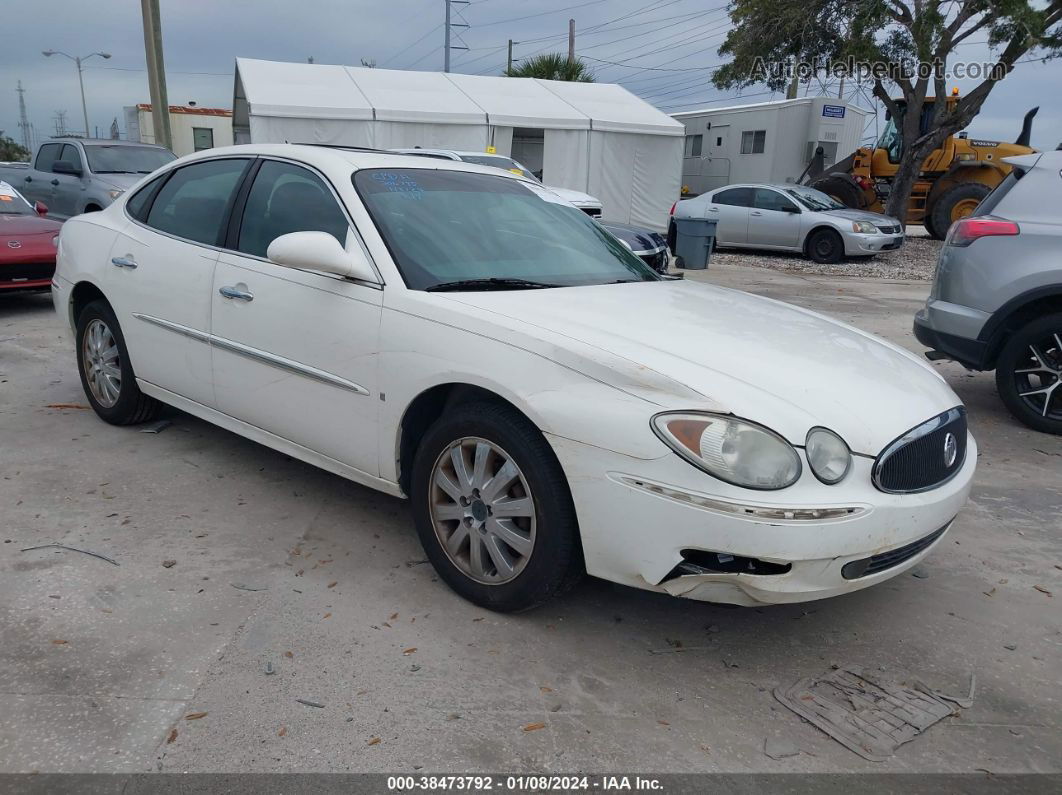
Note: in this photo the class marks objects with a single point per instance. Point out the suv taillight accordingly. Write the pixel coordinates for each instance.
(966, 231)
(672, 210)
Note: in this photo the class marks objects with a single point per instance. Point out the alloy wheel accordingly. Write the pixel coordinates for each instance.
(1038, 377)
(103, 370)
(482, 510)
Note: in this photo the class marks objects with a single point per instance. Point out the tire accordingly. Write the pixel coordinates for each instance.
(1043, 411)
(927, 222)
(545, 526)
(841, 189)
(825, 246)
(118, 401)
(954, 203)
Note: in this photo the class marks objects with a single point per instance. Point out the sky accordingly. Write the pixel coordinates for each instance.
(662, 50)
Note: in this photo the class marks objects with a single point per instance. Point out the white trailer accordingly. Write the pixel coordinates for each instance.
(767, 141)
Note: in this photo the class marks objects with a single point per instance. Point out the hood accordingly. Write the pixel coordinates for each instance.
(577, 198)
(862, 215)
(637, 237)
(685, 345)
(27, 226)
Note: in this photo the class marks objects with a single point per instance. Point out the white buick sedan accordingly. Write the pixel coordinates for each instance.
(550, 405)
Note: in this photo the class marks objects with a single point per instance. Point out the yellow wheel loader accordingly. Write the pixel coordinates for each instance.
(952, 181)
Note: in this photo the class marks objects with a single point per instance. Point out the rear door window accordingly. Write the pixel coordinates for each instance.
(194, 203)
(736, 197)
(46, 155)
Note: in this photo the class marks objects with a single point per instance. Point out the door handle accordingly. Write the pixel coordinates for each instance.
(239, 295)
(55, 182)
(713, 209)
(755, 212)
(124, 262)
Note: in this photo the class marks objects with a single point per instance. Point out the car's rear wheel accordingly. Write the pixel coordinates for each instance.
(1029, 374)
(493, 509)
(825, 246)
(106, 373)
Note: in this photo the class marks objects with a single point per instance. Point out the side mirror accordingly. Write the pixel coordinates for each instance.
(319, 251)
(790, 208)
(40, 208)
(65, 167)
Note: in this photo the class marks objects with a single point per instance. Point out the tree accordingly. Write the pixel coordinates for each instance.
(12, 150)
(553, 66)
(909, 41)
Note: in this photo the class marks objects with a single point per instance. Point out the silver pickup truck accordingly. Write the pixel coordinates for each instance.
(81, 175)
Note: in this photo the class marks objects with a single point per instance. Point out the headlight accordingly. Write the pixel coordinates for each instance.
(828, 455)
(114, 194)
(865, 227)
(735, 451)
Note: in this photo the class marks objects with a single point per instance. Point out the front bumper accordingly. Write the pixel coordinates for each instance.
(638, 517)
(857, 244)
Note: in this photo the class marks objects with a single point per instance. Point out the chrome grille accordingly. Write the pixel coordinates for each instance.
(925, 457)
(889, 230)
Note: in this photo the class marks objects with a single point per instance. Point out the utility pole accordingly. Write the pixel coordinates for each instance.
(160, 104)
(508, 61)
(571, 41)
(794, 85)
(23, 122)
(447, 46)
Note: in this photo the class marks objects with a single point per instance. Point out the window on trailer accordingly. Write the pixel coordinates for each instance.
(202, 138)
(752, 142)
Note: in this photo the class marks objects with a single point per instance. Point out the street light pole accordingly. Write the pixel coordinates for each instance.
(77, 59)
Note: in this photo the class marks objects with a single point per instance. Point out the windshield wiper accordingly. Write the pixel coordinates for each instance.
(493, 283)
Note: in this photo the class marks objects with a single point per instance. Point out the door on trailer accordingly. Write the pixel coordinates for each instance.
(715, 169)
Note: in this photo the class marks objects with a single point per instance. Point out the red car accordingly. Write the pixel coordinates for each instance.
(27, 242)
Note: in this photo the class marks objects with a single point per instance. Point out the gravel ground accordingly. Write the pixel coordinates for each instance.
(915, 259)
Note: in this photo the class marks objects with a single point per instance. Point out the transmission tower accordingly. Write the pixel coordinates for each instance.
(23, 122)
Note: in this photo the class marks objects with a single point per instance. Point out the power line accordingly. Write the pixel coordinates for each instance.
(411, 46)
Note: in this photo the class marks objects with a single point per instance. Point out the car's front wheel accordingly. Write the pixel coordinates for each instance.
(106, 373)
(825, 246)
(493, 508)
(1029, 374)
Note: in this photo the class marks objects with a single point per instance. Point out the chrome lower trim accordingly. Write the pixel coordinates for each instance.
(763, 513)
(257, 355)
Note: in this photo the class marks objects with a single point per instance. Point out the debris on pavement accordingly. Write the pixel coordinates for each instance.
(168, 564)
(532, 727)
(156, 427)
(678, 649)
(269, 669)
(241, 587)
(172, 737)
(306, 703)
(374, 741)
(79, 406)
(964, 702)
(195, 715)
(869, 715)
(919, 572)
(779, 749)
(73, 549)
(1043, 590)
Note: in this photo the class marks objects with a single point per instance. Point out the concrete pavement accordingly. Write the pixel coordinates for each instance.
(101, 665)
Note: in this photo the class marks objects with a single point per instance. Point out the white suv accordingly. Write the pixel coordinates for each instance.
(584, 201)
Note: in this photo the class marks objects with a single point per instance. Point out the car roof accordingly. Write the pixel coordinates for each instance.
(104, 141)
(336, 156)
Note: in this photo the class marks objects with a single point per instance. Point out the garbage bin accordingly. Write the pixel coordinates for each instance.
(693, 242)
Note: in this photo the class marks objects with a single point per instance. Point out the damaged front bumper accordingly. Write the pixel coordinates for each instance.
(663, 525)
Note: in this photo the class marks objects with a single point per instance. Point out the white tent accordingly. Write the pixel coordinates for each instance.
(594, 137)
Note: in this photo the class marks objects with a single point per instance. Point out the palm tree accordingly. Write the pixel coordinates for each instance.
(553, 66)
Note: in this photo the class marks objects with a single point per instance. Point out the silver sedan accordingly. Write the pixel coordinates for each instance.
(791, 218)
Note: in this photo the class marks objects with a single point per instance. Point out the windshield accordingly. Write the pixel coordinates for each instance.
(814, 199)
(498, 161)
(104, 159)
(12, 203)
(446, 226)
